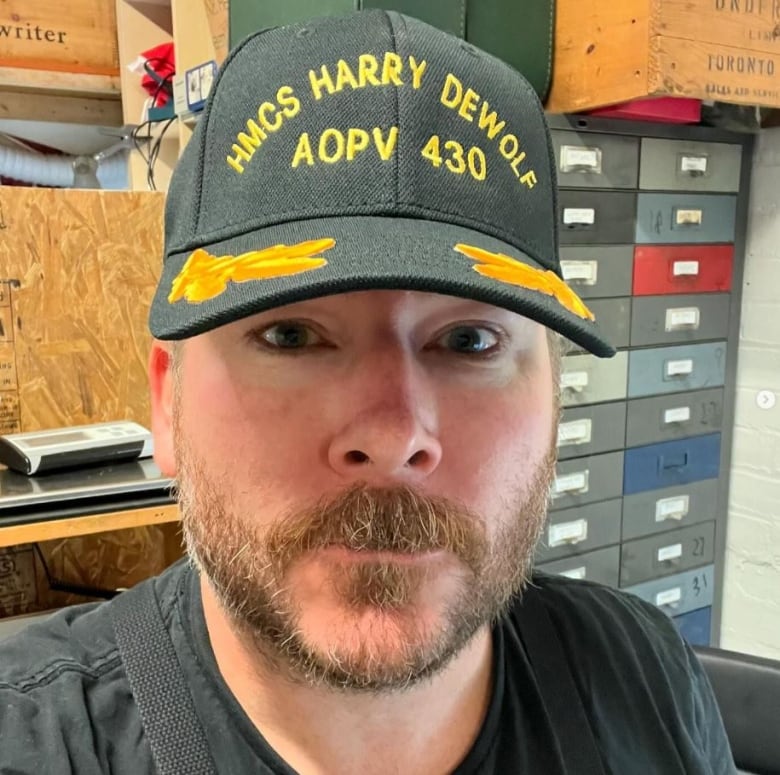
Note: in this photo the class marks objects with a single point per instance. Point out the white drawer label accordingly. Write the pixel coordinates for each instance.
(575, 432)
(680, 414)
(693, 164)
(682, 317)
(581, 215)
(679, 368)
(670, 552)
(574, 380)
(689, 217)
(582, 272)
(569, 483)
(669, 597)
(672, 508)
(681, 268)
(568, 533)
(574, 573)
(580, 157)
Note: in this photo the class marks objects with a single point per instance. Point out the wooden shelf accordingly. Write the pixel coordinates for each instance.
(70, 527)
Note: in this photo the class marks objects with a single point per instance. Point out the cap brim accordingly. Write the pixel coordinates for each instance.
(359, 253)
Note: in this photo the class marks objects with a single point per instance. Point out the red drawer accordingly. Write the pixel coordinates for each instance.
(682, 269)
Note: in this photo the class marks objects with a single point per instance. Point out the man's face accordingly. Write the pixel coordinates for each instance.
(363, 477)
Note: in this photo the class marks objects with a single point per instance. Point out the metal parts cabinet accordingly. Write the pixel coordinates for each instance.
(652, 223)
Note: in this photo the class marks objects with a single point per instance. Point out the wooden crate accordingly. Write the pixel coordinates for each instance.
(78, 36)
(612, 52)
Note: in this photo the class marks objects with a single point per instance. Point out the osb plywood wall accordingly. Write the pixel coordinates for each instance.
(78, 271)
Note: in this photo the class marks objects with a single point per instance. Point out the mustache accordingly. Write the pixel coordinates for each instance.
(366, 518)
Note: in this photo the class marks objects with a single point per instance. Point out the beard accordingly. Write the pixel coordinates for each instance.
(250, 570)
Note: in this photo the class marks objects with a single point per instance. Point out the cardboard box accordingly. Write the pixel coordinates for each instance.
(74, 37)
(610, 52)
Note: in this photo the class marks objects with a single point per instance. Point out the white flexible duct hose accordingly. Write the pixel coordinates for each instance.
(58, 170)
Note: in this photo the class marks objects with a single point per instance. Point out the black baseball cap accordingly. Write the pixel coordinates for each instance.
(369, 151)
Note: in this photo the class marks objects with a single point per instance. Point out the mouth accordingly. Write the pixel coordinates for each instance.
(345, 555)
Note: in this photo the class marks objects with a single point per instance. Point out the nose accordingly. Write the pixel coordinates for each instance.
(390, 431)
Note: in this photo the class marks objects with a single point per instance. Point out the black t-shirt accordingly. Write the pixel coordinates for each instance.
(66, 704)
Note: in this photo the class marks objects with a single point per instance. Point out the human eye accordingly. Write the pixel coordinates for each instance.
(470, 339)
(288, 335)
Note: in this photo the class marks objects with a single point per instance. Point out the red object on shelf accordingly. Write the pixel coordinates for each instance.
(682, 269)
(668, 110)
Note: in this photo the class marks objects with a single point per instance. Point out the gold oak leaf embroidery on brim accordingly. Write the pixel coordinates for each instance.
(203, 276)
(508, 270)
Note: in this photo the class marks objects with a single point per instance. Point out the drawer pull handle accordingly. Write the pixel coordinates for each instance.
(684, 268)
(569, 484)
(676, 508)
(580, 272)
(667, 553)
(568, 533)
(578, 158)
(574, 573)
(669, 597)
(676, 463)
(682, 318)
(575, 380)
(575, 432)
(579, 216)
(679, 415)
(694, 166)
(681, 368)
(687, 217)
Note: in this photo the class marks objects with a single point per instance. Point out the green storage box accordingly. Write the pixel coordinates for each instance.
(520, 33)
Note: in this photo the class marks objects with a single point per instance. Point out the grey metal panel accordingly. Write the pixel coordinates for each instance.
(679, 318)
(656, 511)
(682, 217)
(614, 318)
(612, 216)
(590, 430)
(586, 379)
(686, 165)
(575, 531)
(598, 272)
(596, 161)
(680, 593)
(587, 479)
(675, 369)
(674, 416)
(666, 553)
(602, 566)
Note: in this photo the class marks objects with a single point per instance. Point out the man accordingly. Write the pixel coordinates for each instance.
(354, 383)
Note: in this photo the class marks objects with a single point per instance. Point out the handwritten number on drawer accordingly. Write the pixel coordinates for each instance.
(698, 546)
(699, 586)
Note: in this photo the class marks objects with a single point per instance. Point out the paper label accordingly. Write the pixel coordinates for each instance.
(672, 508)
(670, 552)
(682, 317)
(583, 272)
(580, 157)
(669, 597)
(575, 432)
(679, 368)
(568, 483)
(680, 414)
(568, 533)
(688, 217)
(681, 268)
(693, 164)
(574, 380)
(574, 573)
(579, 215)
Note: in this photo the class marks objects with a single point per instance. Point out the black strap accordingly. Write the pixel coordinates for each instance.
(168, 715)
(556, 685)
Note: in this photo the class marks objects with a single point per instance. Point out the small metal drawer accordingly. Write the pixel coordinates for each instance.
(614, 319)
(586, 379)
(669, 463)
(685, 165)
(679, 594)
(666, 553)
(595, 161)
(596, 217)
(587, 479)
(590, 430)
(656, 511)
(673, 319)
(673, 416)
(602, 566)
(674, 218)
(675, 369)
(576, 531)
(598, 272)
(695, 626)
(682, 269)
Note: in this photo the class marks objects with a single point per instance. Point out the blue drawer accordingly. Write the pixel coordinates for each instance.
(695, 626)
(657, 370)
(685, 218)
(671, 463)
(680, 594)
